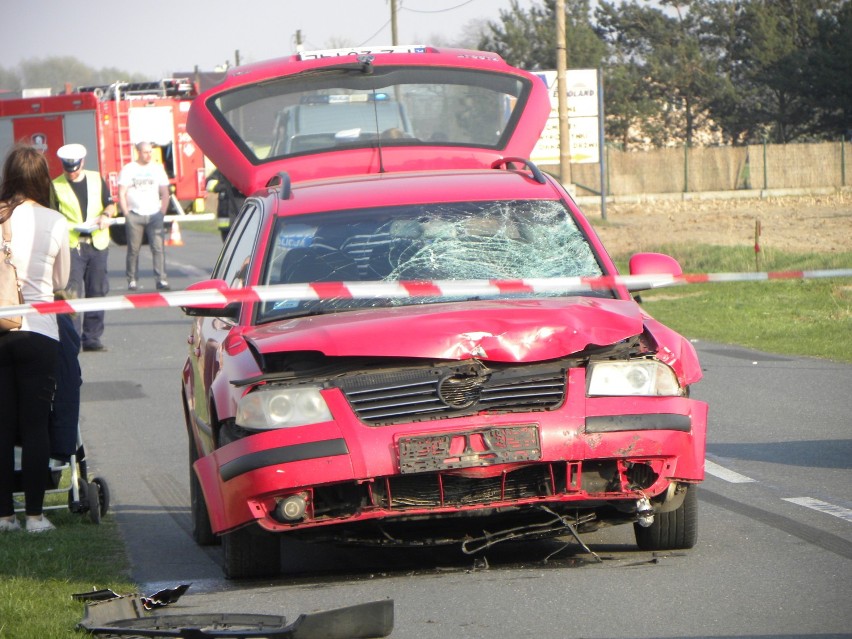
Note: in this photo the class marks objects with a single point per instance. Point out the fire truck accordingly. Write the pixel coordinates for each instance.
(109, 121)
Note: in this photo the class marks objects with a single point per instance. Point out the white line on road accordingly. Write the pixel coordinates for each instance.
(723, 473)
(822, 506)
(189, 270)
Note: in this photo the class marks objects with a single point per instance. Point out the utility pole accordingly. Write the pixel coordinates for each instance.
(237, 58)
(562, 90)
(394, 38)
(298, 40)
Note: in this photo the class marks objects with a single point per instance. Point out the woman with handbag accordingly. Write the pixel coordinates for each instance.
(29, 354)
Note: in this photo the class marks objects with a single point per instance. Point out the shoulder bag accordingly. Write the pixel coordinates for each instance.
(10, 287)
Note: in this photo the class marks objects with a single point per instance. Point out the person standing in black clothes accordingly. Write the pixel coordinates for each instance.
(230, 201)
(29, 354)
(84, 199)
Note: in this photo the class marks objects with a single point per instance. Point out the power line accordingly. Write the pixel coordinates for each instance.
(458, 6)
(381, 28)
(403, 8)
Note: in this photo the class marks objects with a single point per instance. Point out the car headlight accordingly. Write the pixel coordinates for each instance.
(636, 377)
(275, 407)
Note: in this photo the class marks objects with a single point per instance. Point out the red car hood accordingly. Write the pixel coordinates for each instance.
(500, 331)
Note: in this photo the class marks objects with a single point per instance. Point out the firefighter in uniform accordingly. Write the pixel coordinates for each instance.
(230, 201)
(83, 197)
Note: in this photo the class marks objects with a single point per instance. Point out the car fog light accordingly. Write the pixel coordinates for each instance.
(292, 508)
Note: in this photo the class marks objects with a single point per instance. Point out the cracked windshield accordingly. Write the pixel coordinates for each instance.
(450, 241)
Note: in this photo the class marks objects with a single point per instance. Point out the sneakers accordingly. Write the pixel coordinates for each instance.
(34, 524)
(9, 525)
(97, 347)
(162, 285)
(39, 524)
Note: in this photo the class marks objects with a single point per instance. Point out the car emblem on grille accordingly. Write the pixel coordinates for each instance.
(460, 391)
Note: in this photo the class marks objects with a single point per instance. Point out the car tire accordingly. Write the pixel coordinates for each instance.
(118, 234)
(202, 531)
(250, 552)
(675, 530)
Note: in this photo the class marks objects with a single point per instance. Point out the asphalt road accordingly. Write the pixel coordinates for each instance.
(774, 557)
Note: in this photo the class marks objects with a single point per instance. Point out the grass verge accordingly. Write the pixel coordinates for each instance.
(810, 318)
(40, 572)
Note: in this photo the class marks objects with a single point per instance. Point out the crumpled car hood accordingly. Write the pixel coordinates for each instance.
(500, 331)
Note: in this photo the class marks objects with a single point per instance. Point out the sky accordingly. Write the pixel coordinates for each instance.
(159, 37)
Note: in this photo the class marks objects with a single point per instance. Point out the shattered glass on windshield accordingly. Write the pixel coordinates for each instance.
(452, 241)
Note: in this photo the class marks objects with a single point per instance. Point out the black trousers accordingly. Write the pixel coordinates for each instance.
(89, 278)
(27, 382)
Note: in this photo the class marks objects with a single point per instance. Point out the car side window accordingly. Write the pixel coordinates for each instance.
(236, 258)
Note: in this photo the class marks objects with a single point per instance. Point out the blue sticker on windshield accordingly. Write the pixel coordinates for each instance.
(296, 236)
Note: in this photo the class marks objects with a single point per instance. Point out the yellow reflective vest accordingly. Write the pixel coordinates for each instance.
(69, 206)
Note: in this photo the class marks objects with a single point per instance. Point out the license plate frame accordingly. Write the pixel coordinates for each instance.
(480, 447)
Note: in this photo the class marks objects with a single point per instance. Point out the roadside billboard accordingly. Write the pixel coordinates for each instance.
(583, 118)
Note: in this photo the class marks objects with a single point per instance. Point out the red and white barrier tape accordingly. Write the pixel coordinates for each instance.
(397, 290)
(183, 217)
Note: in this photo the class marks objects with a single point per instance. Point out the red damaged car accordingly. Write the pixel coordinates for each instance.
(484, 399)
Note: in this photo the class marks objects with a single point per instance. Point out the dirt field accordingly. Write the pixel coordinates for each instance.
(796, 224)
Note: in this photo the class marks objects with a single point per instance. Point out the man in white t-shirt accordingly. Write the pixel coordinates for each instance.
(143, 195)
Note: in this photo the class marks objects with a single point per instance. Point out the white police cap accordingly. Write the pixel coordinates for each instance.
(71, 155)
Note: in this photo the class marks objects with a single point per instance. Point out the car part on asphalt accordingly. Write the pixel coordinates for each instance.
(126, 617)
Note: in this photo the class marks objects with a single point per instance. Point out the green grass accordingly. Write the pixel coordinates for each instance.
(206, 226)
(791, 317)
(38, 574)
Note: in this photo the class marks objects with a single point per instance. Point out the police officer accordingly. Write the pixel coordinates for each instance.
(83, 197)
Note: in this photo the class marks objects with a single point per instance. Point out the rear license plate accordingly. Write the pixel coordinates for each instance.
(468, 449)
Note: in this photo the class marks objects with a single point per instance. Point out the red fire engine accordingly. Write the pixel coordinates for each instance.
(108, 121)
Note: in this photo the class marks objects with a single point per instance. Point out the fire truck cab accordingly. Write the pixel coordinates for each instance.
(109, 121)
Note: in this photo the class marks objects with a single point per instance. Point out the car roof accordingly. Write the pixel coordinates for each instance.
(422, 187)
(249, 125)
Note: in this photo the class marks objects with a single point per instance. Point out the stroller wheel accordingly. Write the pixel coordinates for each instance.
(103, 488)
(82, 503)
(94, 502)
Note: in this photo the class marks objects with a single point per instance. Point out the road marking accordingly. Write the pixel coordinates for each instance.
(723, 473)
(822, 506)
(189, 270)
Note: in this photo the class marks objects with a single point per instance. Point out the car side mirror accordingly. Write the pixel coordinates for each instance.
(211, 309)
(654, 264)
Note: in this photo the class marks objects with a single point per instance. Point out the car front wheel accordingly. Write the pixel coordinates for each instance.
(674, 530)
(251, 552)
(202, 532)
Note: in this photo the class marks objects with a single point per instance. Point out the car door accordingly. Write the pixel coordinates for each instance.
(208, 333)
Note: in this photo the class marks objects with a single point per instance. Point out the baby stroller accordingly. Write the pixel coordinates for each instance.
(66, 445)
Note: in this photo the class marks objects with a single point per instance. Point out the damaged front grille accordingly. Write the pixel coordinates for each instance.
(599, 480)
(443, 489)
(453, 391)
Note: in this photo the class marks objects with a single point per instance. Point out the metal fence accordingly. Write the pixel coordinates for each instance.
(716, 169)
